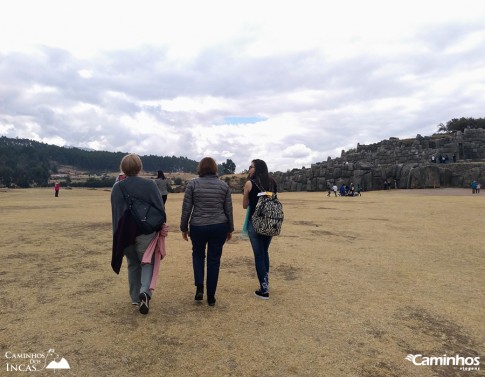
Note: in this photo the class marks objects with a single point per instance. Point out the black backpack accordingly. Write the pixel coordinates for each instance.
(148, 218)
(268, 215)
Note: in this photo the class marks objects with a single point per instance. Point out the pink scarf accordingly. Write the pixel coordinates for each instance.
(157, 247)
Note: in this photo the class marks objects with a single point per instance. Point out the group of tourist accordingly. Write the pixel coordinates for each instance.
(442, 159)
(388, 184)
(345, 190)
(475, 187)
(206, 218)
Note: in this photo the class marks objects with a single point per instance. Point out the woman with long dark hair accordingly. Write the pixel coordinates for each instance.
(259, 181)
(163, 185)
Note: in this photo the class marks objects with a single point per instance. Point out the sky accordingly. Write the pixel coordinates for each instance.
(289, 82)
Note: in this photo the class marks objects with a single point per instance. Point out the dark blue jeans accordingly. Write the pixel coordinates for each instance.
(260, 245)
(214, 237)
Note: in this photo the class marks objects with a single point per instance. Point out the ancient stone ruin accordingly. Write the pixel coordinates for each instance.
(441, 160)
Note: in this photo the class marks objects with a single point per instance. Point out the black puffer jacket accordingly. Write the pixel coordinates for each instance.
(207, 201)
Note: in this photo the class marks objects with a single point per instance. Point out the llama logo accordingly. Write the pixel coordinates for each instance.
(56, 363)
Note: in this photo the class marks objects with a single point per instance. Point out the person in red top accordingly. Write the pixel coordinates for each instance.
(57, 187)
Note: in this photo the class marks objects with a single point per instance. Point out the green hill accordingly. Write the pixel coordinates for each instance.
(27, 163)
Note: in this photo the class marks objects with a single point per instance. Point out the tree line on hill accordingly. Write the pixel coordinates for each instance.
(461, 124)
(27, 163)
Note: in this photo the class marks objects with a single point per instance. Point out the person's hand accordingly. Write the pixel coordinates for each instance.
(185, 236)
(229, 236)
(164, 230)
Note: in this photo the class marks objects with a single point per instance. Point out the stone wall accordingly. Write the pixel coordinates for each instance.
(405, 163)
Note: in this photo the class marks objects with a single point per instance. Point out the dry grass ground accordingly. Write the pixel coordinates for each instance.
(357, 284)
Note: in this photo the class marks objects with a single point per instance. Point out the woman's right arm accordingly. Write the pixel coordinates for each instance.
(186, 211)
(247, 188)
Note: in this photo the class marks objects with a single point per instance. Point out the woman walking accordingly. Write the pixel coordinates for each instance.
(207, 219)
(128, 240)
(57, 187)
(163, 185)
(259, 181)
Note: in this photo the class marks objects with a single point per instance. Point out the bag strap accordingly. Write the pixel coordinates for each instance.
(258, 186)
(126, 196)
(273, 194)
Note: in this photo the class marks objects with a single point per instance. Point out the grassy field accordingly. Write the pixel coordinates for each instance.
(357, 284)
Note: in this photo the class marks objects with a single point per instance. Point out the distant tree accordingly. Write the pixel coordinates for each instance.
(461, 124)
(442, 128)
(228, 167)
(6, 176)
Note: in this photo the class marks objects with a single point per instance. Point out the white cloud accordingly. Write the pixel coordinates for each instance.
(297, 151)
(157, 77)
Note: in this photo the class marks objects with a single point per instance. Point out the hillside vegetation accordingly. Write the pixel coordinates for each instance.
(27, 163)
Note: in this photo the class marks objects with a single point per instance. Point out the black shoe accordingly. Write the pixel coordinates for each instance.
(199, 294)
(262, 295)
(211, 300)
(144, 303)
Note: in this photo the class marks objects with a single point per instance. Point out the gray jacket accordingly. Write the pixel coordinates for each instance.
(163, 185)
(207, 201)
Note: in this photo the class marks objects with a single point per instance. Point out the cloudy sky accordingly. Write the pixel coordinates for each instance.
(290, 82)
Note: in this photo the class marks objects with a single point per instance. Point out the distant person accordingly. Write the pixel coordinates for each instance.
(329, 190)
(359, 189)
(342, 190)
(120, 177)
(474, 187)
(433, 159)
(259, 181)
(127, 239)
(335, 189)
(163, 185)
(57, 187)
(478, 188)
(208, 220)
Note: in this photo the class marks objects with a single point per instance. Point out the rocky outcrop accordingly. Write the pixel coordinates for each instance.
(444, 160)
